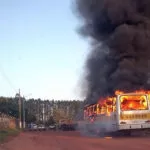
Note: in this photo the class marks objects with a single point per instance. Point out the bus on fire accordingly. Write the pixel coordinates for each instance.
(124, 113)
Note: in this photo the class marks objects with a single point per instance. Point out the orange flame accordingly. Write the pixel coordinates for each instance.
(127, 102)
(137, 91)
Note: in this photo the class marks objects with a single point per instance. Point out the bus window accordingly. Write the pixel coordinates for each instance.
(109, 106)
(103, 109)
(98, 109)
(114, 106)
(95, 109)
(133, 102)
(87, 110)
(90, 110)
(85, 113)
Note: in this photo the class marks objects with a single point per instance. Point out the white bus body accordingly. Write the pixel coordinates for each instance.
(121, 119)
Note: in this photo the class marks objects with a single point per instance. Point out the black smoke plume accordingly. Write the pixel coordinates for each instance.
(120, 39)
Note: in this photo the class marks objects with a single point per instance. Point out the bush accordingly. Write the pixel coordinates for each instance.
(8, 132)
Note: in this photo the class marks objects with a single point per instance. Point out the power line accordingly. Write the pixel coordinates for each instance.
(6, 78)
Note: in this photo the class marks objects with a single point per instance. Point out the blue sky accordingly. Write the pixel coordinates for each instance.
(41, 53)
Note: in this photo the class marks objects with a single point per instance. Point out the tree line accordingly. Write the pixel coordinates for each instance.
(42, 111)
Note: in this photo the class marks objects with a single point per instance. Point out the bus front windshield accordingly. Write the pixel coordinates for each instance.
(133, 102)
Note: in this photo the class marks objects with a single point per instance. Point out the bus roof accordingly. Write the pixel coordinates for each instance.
(131, 94)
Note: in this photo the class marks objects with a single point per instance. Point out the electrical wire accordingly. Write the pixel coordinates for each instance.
(6, 78)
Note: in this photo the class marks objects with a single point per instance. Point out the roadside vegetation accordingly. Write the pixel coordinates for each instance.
(5, 133)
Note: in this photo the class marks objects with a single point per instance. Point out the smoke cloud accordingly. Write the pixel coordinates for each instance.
(119, 31)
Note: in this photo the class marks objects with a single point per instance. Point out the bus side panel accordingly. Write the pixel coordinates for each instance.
(106, 123)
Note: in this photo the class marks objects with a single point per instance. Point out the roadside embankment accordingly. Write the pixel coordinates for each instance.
(6, 133)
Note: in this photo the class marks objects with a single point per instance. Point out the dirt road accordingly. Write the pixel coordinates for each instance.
(72, 141)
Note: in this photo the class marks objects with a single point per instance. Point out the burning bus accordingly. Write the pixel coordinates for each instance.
(122, 113)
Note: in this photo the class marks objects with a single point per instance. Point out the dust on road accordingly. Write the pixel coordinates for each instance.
(72, 141)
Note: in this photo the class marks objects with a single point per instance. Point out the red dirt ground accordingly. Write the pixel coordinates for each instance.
(72, 141)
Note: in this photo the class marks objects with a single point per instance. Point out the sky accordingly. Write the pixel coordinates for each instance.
(40, 50)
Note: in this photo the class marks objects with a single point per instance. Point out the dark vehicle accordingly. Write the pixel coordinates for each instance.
(67, 125)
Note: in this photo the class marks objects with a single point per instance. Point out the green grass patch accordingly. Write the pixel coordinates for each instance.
(5, 133)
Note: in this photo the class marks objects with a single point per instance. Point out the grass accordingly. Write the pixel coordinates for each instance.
(5, 133)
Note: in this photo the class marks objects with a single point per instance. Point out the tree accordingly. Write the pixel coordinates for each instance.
(59, 114)
(9, 106)
(50, 121)
(30, 118)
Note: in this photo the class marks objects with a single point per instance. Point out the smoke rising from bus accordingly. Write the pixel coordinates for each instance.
(119, 31)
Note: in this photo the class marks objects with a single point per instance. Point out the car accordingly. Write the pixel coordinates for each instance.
(52, 127)
(32, 127)
(41, 128)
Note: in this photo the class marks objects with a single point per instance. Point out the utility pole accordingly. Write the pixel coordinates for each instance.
(43, 111)
(24, 123)
(20, 122)
(24, 117)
